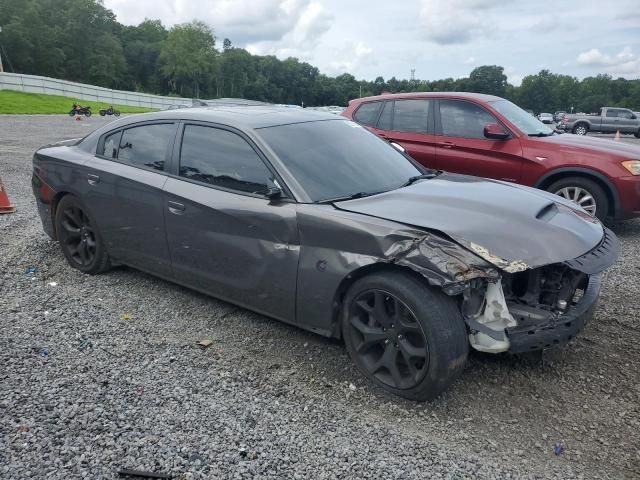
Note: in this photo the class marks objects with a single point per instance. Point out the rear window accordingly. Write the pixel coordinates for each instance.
(367, 113)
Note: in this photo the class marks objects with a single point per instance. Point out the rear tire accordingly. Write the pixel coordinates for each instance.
(403, 335)
(580, 129)
(102, 113)
(583, 188)
(79, 238)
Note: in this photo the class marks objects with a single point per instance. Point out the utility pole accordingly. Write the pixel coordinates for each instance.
(413, 74)
(1, 68)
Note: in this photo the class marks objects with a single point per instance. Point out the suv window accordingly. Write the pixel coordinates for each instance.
(463, 119)
(367, 113)
(144, 146)
(224, 159)
(411, 116)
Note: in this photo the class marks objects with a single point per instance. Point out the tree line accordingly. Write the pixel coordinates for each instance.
(81, 40)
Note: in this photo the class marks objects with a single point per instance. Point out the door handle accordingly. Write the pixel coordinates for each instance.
(92, 179)
(176, 208)
(447, 144)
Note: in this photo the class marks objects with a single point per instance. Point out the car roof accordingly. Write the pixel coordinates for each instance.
(242, 117)
(391, 96)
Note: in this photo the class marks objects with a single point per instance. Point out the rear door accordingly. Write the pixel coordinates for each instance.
(407, 122)
(124, 193)
(462, 147)
(226, 238)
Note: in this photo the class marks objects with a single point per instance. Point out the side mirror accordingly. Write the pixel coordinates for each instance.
(495, 131)
(398, 147)
(273, 193)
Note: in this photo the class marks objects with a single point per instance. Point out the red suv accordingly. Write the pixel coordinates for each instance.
(489, 136)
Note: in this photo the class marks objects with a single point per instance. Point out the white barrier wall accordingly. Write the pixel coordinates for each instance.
(81, 91)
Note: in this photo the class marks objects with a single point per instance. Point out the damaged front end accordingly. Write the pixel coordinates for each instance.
(536, 308)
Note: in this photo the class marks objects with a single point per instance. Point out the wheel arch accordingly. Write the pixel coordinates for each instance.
(612, 194)
(349, 279)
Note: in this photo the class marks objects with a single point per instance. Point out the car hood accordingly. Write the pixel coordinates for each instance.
(600, 145)
(511, 226)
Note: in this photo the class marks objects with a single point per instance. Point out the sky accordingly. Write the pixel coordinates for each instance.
(437, 38)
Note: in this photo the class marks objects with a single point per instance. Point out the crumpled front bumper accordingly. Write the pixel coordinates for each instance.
(560, 329)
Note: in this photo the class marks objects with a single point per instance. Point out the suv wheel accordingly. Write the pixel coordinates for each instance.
(403, 335)
(79, 238)
(584, 192)
(581, 129)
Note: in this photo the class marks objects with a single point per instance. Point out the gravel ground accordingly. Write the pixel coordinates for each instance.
(102, 373)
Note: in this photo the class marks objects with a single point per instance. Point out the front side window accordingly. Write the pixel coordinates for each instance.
(336, 158)
(223, 159)
(463, 119)
(367, 114)
(411, 116)
(144, 146)
(625, 114)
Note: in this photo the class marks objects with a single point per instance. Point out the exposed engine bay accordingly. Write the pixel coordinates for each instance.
(521, 303)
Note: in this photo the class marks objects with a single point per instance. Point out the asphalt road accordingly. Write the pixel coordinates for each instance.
(102, 372)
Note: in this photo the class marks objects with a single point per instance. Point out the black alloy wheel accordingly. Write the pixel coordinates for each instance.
(403, 335)
(78, 236)
(79, 239)
(388, 339)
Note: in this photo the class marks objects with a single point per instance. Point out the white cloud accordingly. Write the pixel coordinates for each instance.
(623, 63)
(350, 57)
(455, 21)
(470, 61)
(312, 22)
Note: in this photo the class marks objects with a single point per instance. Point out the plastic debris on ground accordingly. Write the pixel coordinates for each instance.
(558, 449)
(31, 269)
(85, 344)
(126, 317)
(204, 343)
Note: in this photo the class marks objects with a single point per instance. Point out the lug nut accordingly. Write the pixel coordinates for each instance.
(386, 341)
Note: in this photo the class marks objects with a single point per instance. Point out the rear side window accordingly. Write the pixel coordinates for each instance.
(411, 116)
(612, 113)
(367, 113)
(224, 159)
(144, 146)
(463, 119)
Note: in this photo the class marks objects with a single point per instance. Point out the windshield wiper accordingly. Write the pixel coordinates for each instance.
(348, 197)
(415, 178)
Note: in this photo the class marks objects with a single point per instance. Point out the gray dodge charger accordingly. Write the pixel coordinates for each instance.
(308, 218)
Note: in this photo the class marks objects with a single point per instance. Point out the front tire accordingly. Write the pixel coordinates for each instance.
(87, 113)
(584, 192)
(581, 129)
(637, 134)
(79, 238)
(116, 113)
(403, 335)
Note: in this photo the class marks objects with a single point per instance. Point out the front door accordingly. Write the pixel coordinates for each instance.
(226, 238)
(124, 194)
(461, 146)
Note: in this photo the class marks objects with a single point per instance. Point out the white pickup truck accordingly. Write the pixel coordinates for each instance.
(608, 120)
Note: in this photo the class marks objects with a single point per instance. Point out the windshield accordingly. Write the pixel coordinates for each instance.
(338, 158)
(520, 118)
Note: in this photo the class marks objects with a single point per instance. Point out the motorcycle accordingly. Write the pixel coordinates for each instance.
(110, 111)
(80, 110)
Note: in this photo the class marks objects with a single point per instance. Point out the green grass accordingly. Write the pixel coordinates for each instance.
(12, 102)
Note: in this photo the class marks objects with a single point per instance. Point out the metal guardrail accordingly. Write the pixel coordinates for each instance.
(53, 86)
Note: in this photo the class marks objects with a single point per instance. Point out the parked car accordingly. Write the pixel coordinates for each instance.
(311, 219)
(557, 116)
(545, 118)
(608, 120)
(491, 137)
